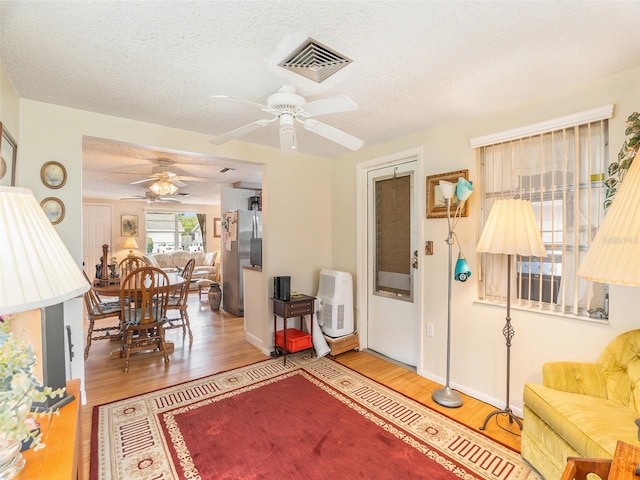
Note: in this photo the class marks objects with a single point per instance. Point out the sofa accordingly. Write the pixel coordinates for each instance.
(205, 267)
(583, 409)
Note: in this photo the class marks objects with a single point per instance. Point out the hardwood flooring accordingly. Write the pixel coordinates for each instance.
(218, 345)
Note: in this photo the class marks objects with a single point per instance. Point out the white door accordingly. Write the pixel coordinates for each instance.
(96, 231)
(393, 306)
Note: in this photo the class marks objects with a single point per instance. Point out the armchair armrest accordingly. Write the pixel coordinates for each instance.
(205, 268)
(575, 377)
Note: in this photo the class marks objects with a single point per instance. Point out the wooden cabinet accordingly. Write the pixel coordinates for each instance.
(61, 459)
(289, 340)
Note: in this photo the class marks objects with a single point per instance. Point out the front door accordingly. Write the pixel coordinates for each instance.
(393, 305)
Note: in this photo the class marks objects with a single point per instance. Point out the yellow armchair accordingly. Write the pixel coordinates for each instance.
(583, 409)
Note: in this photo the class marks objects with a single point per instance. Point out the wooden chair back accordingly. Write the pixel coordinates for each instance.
(147, 292)
(129, 264)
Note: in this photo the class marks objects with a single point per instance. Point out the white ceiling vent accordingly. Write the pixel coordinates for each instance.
(315, 61)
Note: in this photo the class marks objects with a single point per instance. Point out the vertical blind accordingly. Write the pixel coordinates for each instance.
(561, 173)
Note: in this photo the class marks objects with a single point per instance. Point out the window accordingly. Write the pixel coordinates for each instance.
(561, 172)
(169, 231)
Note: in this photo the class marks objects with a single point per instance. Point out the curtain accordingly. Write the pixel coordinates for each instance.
(202, 220)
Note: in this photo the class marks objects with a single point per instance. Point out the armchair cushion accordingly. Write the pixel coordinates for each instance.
(205, 266)
(583, 409)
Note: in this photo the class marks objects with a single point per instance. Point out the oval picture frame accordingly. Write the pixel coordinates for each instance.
(53, 175)
(53, 209)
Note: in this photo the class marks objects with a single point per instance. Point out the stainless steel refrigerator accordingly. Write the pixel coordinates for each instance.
(241, 227)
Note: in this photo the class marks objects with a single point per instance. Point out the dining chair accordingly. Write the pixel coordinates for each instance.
(144, 316)
(179, 302)
(100, 310)
(129, 264)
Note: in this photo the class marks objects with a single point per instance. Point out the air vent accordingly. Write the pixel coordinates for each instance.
(315, 61)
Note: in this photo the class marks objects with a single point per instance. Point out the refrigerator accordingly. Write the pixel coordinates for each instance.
(241, 226)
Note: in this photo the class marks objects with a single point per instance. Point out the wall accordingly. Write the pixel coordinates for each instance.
(9, 106)
(295, 217)
(478, 352)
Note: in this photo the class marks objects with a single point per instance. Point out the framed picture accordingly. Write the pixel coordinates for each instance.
(54, 209)
(217, 227)
(129, 226)
(436, 206)
(8, 158)
(53, 174)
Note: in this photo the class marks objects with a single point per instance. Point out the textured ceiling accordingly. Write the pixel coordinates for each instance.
(416, 64)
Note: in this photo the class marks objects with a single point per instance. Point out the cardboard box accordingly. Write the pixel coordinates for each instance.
(343, 344)
(296, 340)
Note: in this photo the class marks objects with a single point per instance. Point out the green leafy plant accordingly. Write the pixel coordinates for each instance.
(617, 170)
(19, 388)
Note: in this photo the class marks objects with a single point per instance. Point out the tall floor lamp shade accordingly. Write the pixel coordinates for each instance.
(614, 254)
(36, 271)
(511, 229)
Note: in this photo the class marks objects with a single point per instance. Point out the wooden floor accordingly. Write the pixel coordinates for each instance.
(219, 344)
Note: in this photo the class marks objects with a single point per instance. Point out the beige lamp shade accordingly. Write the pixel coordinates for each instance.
(130, 243)
(512, 229)
(614, 254)
(36, 268)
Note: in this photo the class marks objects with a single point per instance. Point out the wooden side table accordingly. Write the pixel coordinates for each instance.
(623, 466)
(298, 306)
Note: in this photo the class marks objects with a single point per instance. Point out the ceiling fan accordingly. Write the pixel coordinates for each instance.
(151, 197)
(166, 178)
(288, 107)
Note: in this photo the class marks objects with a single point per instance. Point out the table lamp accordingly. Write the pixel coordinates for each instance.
(130, 243)
(511, 229)
(37, 271)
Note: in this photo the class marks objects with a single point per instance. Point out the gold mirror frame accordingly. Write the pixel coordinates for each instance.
(54, 209)
(53, 175)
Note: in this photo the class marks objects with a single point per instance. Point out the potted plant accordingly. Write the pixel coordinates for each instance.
(19, 389)
(617, 170)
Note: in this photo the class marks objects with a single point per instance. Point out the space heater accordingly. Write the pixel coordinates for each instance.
(335, 303)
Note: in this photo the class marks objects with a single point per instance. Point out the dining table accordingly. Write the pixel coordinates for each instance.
(176, 282)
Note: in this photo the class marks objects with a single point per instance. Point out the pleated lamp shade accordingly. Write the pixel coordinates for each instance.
(614, 254)
(36, 269)
(511, 229)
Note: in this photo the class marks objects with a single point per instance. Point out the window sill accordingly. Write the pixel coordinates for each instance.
(542, 311)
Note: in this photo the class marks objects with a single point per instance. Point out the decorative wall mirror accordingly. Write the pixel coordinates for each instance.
(8, 157)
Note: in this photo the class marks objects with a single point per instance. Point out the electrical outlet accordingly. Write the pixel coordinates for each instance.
(429, 329)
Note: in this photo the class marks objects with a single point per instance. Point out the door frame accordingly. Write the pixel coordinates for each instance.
(362, 172)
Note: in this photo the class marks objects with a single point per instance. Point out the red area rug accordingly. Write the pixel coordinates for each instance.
(311, 419)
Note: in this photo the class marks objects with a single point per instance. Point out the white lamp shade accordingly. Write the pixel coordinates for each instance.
(614, 254)
(36, 269)
(448, 189)
(130, 243)
(512, 229)
(163, 188)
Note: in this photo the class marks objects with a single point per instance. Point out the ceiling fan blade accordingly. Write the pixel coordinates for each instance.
(239, 132)
(339, 103)
(333, 134)
(167, 200)
(177, 182)
(145, 180)
(240, 100)
(194, 179)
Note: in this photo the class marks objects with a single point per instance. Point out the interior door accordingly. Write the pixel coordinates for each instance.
(392, 260)
(96, 231)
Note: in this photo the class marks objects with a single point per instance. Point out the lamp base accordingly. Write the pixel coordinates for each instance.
(506, 411)
(447, 397)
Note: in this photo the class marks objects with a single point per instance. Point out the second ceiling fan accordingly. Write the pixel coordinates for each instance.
(288, 107)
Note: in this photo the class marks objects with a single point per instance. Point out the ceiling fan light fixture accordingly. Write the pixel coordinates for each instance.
(163, 188)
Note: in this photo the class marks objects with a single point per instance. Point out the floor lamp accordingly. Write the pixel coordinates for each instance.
(462, 190)
(511, 229)
(37, 272)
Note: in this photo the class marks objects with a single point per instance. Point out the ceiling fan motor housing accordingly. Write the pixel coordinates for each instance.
(285, 101)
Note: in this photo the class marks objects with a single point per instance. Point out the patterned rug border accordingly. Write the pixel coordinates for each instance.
(472, 451)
